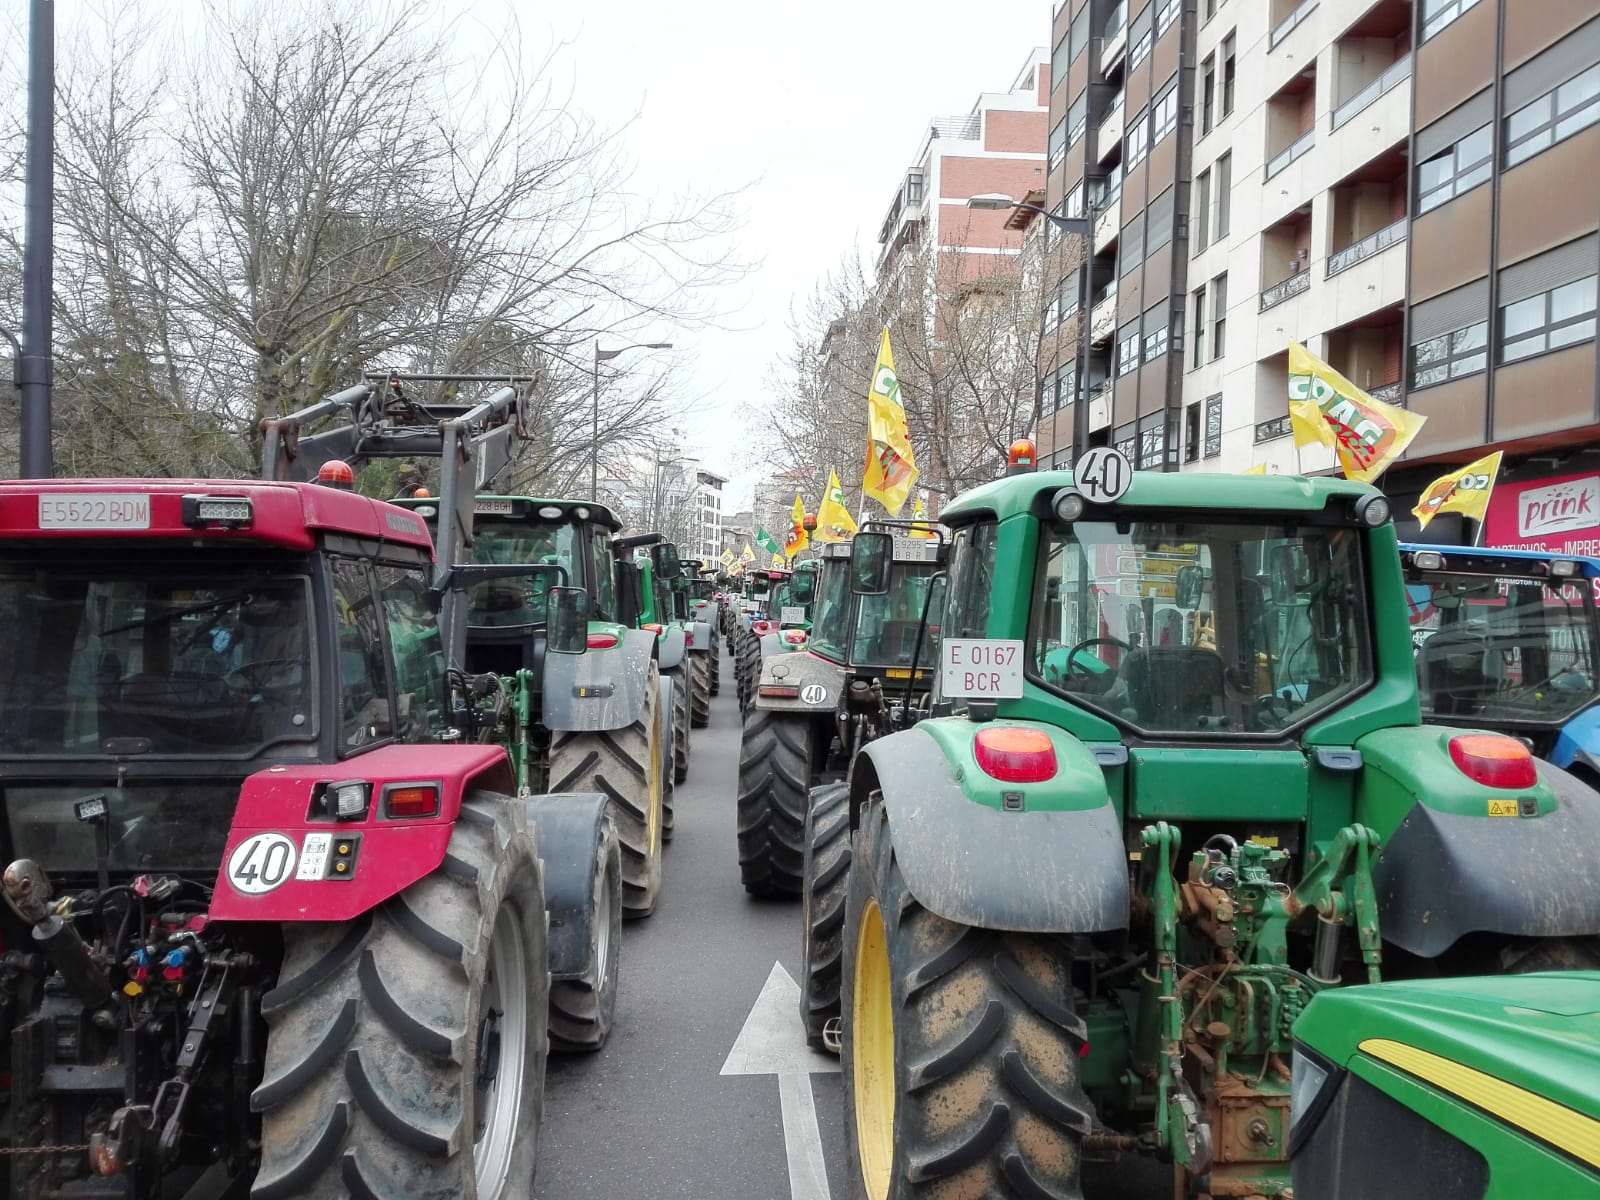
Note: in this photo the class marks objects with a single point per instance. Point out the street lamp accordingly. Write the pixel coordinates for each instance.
(1084, 228)
(601, 356)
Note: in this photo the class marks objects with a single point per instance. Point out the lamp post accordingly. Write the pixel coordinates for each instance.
(601, 356)
(1084, 227)
(33, 366)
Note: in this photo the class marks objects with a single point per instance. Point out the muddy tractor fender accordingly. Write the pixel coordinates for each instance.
(672, 643)
(818, 683)
(570, 828)
(1515, 862)
(1577, 748)
(1032, 857)
(698, 637)
(600, 688)
(288, 858)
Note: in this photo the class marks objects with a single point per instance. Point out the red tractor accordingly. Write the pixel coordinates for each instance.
(272, 926)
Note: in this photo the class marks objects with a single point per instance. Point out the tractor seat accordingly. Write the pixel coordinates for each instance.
(1172, 687)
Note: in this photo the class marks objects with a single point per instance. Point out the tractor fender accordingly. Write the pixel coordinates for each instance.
(773, 644)
(1578, 744)
(569, 827)
(265, 880)
(1442, 875)
(1035, 870)
(598, 689)
(670, 648)
(701, 639)
(820, 682)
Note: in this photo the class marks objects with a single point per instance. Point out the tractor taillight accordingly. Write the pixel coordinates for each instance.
(1014, 755)
(654, 628)
(774, 691)
(408, 801)
(688, 637)
(794, 637)
(1494, 760)
(601, 641)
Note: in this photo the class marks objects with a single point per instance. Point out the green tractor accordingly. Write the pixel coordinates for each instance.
(782, 628)
(1175, 786)
(823, 696)
(766, 591)
(1453, 1089)
(703, 608)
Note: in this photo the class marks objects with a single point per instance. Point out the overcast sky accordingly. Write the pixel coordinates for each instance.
(818, 106)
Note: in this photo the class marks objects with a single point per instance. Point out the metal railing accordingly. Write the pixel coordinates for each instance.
(1287, 25)
(1278, 427)
(1279, 292)
(1367, 246)
(1397, 73)
(1301, 144)
(1389, 393)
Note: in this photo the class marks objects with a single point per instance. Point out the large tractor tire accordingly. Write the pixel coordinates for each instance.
(669, 783)
(626, 765)
(715, 655)
(406, 1048)
(700, 695)
(1554, 954)
(682, 721)
(774, 779)
(581, 1008)
(827, 871)
(960, 1052)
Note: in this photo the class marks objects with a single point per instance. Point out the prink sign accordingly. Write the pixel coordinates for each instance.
(1560, 515)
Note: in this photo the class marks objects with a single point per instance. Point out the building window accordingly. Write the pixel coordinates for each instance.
(1202, 210)
(1059, 59)
(1211, 9)
(1227, 74)
(1130, 245)
(1166, 13)
(1125, 438)
(1158, 215)
(1052, 233)
(1128, 348)
(1459, 169)
(1079, 33)
(1436, 14)
(1197, 301)
(1208, 88)
(1156, 322)
(1139, 37)
(914, 188)
(1072, 206)
(1191, 433)
(1553, 116)
(1077, 117)
(1224, 193)
(1163, 114)
(1052, 317)
(1137, 144)
(1219, 316)
(1058, 143)
(1067, 293)
(1152, 441)
(1450, 355)
(1214, 425)
(1108, 189)
(1548, 321)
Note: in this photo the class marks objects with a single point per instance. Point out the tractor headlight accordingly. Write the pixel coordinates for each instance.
(347, 799)
(1428, 560)
(1372, 511)
(1068, 505)
(1563, 568)
(1313, 1081)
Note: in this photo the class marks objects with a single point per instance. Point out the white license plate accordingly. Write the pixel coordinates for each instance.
(498, 508)
(981, 668)
(90, 510)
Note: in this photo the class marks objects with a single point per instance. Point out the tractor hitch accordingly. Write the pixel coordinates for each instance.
(28, 892)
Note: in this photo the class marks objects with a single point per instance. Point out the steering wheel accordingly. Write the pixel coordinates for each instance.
(258, 676)
(1073, 666)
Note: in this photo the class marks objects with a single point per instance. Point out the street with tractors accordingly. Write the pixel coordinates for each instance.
(1121, 834)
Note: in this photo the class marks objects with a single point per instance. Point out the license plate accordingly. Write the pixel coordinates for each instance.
(89, 510)
(498, 508)
(981, 668)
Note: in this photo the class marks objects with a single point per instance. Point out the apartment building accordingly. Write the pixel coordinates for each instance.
(1408, 189)
(708, 511)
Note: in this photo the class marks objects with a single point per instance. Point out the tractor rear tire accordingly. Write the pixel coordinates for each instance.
(715, 655)
(626, 765)
(380, 1028)
(1558, 954)
(700, 697)
(827, 871)
(774, 780)
(682, 721)
(581, 1009)
(960, 1055)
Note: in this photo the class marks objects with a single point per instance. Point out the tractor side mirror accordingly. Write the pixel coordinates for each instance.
(871, 557)
(664, 557)
(566, 620)
(1191, 583)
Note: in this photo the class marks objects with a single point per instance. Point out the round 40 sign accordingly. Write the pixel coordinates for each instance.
(1102, 474)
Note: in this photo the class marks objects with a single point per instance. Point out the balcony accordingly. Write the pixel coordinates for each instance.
(1389, 393)
(1269, 431)
(1108, 223)
(1298, 147)
(1287, 26)
(1397, 74)
(1372, 244)
(1114, 39)
(1103, 316)
(1110, 134)
(1290, 287)
(1100, 407)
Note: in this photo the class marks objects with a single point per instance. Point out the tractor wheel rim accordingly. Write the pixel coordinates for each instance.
(602, 922)
(872, 1054)
(498, 1075)
(653, 795)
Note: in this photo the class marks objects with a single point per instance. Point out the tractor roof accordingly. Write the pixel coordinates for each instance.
(1157, 489)
(282, 514)
(528, 508)
(1540, 1032)
(1485, 559)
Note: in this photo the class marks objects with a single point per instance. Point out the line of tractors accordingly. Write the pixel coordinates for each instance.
(1097, 811)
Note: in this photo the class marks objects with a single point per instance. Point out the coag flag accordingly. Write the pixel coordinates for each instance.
(1464, 490)
(799, 539)
(920, 529)
(834, 522)
(890, 469)
(1366, 434)
(767, 542)
(777, 560)
(727, 559)
(747, 555)
(1258, 469)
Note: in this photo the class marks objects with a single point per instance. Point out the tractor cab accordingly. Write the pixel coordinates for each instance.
(1507, 640)
(894, 602)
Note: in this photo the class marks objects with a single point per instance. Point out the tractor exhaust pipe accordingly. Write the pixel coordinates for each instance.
(27, 890)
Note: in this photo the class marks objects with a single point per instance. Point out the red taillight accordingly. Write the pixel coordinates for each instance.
(775, 692)
(688, 637)
(794, 637)
(1015, 755)
(601, 641)
(411, 801)
(1494, 760)
(654, 628)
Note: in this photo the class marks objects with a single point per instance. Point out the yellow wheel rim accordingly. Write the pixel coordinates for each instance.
(653, 803)
(872, 1054)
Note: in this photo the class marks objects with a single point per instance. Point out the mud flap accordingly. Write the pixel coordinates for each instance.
(568, 828)
(598, 689)
(1442, 876)
(673, 642)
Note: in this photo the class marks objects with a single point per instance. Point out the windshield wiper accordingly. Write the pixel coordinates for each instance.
(178, 613)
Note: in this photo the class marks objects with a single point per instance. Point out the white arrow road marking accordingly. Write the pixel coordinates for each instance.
(771, 1043)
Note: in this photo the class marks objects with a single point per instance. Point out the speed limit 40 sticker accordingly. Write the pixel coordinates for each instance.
(260, 863)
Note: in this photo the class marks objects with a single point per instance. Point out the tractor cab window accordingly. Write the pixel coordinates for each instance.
(1216, 629)
(603, 592)
(972, 560)
(420, 692)
(1500, 649)
(364, 716)
(831, 613)
(153, 658)
(521, 543)
(887, 626)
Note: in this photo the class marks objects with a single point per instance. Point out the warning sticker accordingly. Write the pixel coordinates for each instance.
(1502, 808)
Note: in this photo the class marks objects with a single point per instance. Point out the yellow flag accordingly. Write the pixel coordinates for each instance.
(1310, 427)
(1367, 434)
(920, 530)
(799, 539)
(777, 560)
(1258, 469)
(747, 555)
(890, 469)
(727, 558)
(834, 522)
(1463, 490)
